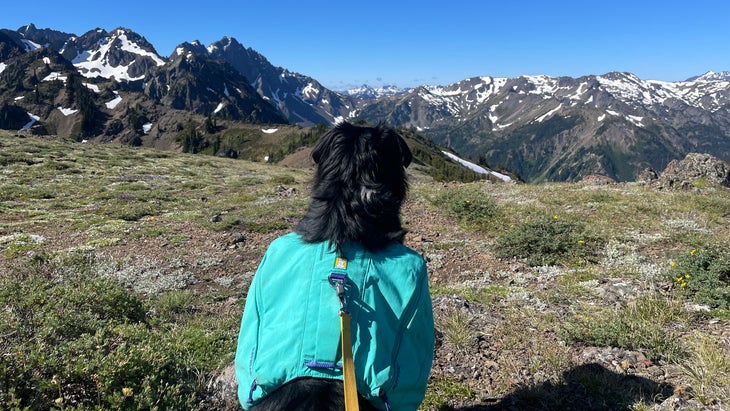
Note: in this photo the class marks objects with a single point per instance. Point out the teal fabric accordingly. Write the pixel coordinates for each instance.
(291, 327)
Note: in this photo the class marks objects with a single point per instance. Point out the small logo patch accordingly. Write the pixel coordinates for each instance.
(341, 263)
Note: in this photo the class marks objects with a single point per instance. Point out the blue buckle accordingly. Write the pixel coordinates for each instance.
(337, 280)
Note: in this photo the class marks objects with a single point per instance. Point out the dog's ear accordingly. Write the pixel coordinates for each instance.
(405, 152)
(396, 141)
(325, 144)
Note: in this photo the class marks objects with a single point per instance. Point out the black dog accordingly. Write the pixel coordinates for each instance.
(358, 189)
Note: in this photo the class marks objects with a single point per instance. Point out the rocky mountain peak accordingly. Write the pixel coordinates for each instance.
(185, 49)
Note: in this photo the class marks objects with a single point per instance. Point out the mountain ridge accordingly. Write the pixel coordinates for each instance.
(541, 128)
(547, 128)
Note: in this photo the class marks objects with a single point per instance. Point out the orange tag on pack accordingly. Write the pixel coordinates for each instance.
(341, 263)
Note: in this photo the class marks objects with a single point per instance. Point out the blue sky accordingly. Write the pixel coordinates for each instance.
(407, 43)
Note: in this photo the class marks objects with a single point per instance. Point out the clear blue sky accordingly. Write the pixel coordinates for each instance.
(345, 43)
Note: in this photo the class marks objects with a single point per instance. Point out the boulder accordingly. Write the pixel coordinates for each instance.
(647, 176)
(681, 174)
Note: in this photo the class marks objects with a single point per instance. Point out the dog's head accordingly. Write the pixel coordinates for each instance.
(359, 186)
(371, 160)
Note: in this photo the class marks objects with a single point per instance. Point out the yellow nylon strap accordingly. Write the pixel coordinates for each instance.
(348, 365)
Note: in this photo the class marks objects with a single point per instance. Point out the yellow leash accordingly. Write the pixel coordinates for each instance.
(348, 365)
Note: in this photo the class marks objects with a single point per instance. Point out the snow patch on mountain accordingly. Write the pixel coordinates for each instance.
(476, 168)
(113, 103)
(33, 119)
(29, 45)
(635, 120)
(549, 113)
(53, 76)
(134, 48)
(67, 111)
(309, 92)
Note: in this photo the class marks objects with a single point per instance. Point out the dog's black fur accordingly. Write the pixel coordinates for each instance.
(309, 394)
(358, 189)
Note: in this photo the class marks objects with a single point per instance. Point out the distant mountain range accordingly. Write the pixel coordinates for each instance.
(559, 129)
(114, 86)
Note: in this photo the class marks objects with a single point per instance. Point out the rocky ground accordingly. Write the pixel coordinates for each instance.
(502, 363)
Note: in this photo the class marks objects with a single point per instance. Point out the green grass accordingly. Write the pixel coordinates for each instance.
(441, 390)
(470, 205)
(650, 323)
(708, 369)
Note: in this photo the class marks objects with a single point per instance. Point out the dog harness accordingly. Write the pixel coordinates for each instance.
(292, 327)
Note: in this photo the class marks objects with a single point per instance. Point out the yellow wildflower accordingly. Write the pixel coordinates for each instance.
(673, 264)
(127, 392)
(692, 251)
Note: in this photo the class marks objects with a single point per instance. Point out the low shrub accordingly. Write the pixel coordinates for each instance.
(130, 210)
(703, 275)
(75, 339)
(471, 207)
(282, 179)
(549, 241)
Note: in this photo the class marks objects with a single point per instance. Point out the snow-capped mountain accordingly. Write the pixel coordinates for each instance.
(712, 76)
(547, 128)
(195, 82)
(115, 85)
(366, 92)
(120, 54)
(301, 99)
(34, 38)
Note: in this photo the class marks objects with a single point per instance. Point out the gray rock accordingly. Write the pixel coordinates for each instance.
(680, 174)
